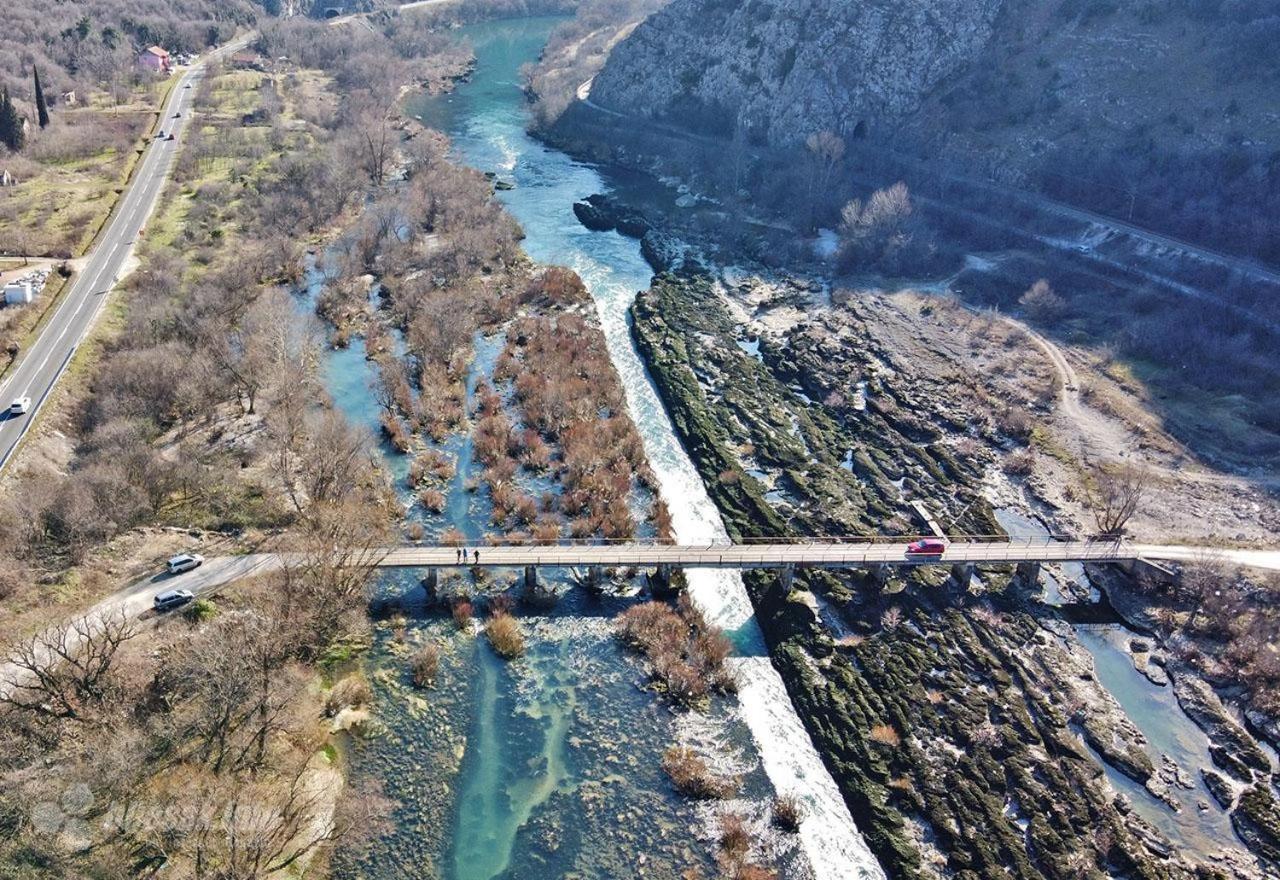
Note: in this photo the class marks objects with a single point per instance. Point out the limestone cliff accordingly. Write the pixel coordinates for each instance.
(780, 69)
(1165, 113)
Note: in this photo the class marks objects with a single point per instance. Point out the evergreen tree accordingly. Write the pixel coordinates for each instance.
(11, 134)
(42, 109)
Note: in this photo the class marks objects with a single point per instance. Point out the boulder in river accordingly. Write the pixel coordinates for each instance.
(1233, 749)
(1219, 787)
(601, 213)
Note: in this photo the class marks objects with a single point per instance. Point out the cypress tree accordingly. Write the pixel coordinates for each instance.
(42, 109)
(10, 123)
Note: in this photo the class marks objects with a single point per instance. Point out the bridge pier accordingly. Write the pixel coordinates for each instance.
(530, 578)
(786, 577)
(594, 581)
(1027, 575)
(660, 581)
(431, 584)
(879, 574)
(962, 574)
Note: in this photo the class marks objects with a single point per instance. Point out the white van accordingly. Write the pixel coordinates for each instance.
(184, 562)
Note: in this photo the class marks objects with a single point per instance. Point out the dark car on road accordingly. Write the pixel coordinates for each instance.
(170, 599)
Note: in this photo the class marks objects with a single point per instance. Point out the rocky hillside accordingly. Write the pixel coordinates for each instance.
(784, 69)
(1161, 112)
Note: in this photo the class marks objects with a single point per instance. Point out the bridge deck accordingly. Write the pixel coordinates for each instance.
(825, 555)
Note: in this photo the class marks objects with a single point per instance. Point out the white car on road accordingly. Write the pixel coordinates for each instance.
(184, 562)
(20, 406)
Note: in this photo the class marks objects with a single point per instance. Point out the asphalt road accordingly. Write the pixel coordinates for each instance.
(42, 364)
(133, 601)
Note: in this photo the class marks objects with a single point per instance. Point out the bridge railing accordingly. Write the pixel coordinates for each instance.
(747, 556)
(524, 540)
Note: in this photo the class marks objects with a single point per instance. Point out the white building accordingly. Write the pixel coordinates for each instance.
(17, 293)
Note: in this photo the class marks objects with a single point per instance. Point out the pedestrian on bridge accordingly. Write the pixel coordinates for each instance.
(464, 554)
(458, 554)
(475, 557)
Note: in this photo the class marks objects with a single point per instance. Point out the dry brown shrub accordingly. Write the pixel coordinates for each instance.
(525, 510)
(546, 531)
(692, 777)
(787, 812)
(505, 636)
(430, 462)
(397, 434)
(462, 612)
(432, 499)
(351, 691)
(734, 840)
(424, 664)
(1020, 463)
(557, 286)
(752, 871)
(662, 521)
(885, 735)
(1015, 423)
(686, 654)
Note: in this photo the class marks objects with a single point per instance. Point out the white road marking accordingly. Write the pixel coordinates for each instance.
(136, 204)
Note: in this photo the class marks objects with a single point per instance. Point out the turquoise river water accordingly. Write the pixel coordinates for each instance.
(550, 766)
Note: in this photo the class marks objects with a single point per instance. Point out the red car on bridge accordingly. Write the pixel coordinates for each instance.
(927, 547)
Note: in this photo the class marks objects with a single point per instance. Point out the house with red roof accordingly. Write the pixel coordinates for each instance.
(155, 59)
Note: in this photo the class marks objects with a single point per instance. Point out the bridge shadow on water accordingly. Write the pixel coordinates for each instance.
(551, 763)
(405, 592)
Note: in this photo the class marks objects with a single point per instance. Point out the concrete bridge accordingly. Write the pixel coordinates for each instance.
(876, 554)
(817, 553)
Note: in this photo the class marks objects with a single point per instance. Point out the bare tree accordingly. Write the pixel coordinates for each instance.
(826, 149)
(1042, 303)
(323, 582)
(220, 827)
(868, 229)
(338, 459)
(1115, 496)
(441, 327)
(371, 113)
(64, 673)
(228, 688)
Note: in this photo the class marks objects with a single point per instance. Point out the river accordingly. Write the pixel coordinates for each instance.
(486, 117)
(1199, 826)
(550, 766)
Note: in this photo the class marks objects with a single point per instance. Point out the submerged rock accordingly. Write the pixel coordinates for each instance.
(1219, 787)
(601, 213)
(1233, 749)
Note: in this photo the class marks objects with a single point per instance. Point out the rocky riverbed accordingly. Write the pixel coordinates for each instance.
(964, 722)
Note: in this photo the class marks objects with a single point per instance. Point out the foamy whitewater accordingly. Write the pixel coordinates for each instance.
(831, 841)
(486, 117)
